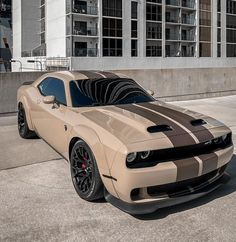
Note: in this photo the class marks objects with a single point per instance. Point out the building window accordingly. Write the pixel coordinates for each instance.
(134, 48)
(231, 7)
(205, 28)
(218, 50)
(219, 5)
(154, 31)
(154, 12)
(205, 50)
(154, 49)
(112, 47)
(231, 28)
(112, 8)
(112, 27)
(231, 21)
(218, 35)
(231, 50)
(134, 10)
(134, 29)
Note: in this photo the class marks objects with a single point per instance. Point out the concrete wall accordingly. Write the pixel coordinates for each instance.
(168, 84)
(56, 28)
(9, 83)
(26, 26)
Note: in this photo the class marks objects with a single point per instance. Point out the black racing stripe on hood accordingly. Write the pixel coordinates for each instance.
(91, 74)
(178, 136)
(183, 119)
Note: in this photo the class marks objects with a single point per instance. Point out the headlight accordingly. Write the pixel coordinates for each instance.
(131, 157)
(144, 155)
(224, 137)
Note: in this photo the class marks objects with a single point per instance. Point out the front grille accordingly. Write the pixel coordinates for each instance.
(180, 153)
(181, 188)
(187, 186)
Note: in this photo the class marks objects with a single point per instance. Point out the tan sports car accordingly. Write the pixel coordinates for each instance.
(121, 143)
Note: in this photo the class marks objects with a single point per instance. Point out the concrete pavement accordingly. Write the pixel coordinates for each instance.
(38, 201)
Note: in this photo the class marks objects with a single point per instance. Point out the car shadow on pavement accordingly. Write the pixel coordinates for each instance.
(224, 190)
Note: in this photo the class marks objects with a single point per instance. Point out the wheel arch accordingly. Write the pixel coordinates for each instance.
(90, 137)
(23, 101)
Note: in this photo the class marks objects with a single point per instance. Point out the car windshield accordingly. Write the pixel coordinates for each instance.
(105, 91)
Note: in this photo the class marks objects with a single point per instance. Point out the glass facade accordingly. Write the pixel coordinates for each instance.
(154, 28)
(112, 27)
(173, 28)
(205, 27)
(134, 29)
(231, 28)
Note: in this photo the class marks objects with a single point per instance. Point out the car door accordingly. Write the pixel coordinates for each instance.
(50, 119)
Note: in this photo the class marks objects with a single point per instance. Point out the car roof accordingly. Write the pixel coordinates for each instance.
(83, 75)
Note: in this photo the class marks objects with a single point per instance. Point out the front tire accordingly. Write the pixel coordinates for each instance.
(23, 127)
(84, 172)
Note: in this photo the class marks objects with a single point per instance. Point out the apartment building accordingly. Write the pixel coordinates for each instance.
(5, 35)
(124, 34)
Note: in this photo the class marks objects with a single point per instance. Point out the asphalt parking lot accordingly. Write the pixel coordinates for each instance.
(38, 201)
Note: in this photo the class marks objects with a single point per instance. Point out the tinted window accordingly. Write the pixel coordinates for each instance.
(54, 87)
(102, 92)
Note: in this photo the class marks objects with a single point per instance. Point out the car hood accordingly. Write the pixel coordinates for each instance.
(133, 123)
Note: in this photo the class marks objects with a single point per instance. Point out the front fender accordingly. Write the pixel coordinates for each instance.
(99, 150)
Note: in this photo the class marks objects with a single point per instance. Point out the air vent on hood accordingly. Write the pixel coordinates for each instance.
(198, 122)
(159, 128)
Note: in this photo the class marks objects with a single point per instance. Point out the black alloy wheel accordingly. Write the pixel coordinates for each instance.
(84, 172)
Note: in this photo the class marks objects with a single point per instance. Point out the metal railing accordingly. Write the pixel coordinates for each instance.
(188, 4)
(172, 19)
(30, 53)
(188, 37)
(172, 36)
(172, 2)
(188, 20)
(91, 10)
(85, 52)
(85, 31)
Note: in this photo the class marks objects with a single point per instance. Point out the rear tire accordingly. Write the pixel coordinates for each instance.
(23, 127)
(84, 172)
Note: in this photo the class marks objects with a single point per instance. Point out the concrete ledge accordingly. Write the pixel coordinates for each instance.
(168, 84)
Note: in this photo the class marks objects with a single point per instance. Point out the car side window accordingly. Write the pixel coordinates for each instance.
(53, 87)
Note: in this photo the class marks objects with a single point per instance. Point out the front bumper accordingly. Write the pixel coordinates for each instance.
(150, 207)
(126, 180)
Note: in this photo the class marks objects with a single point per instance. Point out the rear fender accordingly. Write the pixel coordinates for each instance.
(25, 103)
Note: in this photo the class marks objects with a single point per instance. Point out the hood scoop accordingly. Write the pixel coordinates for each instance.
(198, 122)
(159, 128)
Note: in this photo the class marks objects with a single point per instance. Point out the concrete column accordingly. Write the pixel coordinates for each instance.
(142, 24)
(214, 28)
(126, 28)
(100, 34)
(163, 28)
(223, 29)
(197, 28)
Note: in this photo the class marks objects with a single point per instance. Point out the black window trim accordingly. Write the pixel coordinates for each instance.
(58, 102)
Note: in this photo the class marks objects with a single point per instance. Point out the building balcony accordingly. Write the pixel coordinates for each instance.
(189, 37)
(85, 32)
(172, 2)
(172, 19)
(172, 37)
(86, 52)
(86, 10)
(189, 21)
(188, 4)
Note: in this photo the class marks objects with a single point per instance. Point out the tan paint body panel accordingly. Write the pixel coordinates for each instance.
(113, 132)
